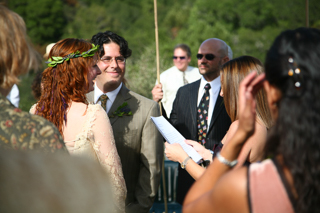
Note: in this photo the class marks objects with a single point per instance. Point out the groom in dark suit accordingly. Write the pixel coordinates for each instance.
(138, 142)
(207, 126)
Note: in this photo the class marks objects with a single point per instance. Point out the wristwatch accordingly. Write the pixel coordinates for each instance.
(184, 163)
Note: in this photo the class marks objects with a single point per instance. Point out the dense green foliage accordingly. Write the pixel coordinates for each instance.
(248, 26)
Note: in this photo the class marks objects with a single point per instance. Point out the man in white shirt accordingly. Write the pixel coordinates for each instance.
(175, 77)
(13, 96)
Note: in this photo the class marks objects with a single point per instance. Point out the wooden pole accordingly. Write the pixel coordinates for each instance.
(157, 45)
(158, 78)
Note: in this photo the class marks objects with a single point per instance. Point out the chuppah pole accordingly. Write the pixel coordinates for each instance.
(158, 78)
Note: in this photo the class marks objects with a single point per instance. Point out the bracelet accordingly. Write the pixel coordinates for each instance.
(184, 163)
(225, 161)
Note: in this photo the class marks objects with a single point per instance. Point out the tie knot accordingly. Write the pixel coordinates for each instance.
(207, 86)
(103, 97)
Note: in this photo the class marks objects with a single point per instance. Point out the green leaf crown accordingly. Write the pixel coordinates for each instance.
(55, 60)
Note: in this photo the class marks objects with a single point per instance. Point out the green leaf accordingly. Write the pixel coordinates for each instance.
(57, 58)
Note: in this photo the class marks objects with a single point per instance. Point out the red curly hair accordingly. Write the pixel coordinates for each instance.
(65, 82)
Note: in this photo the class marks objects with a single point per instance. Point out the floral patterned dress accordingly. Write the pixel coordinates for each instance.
(21, 131)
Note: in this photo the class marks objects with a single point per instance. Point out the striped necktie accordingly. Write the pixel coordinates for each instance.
(103, 99)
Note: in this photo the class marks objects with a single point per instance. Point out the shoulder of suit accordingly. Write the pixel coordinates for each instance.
(185, 90)
(90, 97)
(190, 85)
(143, 99)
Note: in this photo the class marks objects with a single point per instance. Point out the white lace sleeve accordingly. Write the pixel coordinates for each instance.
(33, 109)
(105, 148)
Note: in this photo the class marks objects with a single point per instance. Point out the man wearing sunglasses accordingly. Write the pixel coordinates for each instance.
(198, 111)
(175, 77)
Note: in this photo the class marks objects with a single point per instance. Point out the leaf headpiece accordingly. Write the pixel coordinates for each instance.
(55, 60)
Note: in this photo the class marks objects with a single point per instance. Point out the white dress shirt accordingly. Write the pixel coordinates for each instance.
(111, 96)
(213, 91)
(172, 80)
(13, 96)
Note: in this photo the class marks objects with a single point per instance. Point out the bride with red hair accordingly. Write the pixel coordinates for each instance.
(85, 128)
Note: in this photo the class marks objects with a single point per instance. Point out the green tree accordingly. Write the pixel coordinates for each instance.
(44, 18)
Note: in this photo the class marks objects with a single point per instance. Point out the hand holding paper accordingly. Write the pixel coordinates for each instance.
(173, 136)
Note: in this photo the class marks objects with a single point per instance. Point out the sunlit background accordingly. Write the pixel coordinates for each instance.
(248, 26)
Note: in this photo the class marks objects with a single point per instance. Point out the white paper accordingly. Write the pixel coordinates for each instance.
(173, 136)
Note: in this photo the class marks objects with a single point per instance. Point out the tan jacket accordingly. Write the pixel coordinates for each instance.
(140, 147)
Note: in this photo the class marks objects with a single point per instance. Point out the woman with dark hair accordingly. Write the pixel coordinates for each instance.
(289, 181)
(85, 128)
(231, 74)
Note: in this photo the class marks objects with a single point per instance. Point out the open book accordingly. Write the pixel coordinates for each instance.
(173, 136)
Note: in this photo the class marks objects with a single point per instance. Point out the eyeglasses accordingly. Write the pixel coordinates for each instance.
(109, 60)
(181, 57)
(209, 57)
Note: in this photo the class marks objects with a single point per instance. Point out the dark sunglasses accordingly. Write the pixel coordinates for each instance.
(181, 57)
(209, 57)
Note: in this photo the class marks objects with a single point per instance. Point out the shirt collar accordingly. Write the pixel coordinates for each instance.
(215, 84)
(111, 95)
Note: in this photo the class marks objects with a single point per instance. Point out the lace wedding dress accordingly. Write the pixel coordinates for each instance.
(95, 141)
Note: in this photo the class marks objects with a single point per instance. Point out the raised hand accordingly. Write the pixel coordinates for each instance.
(248, 89)
(157, 93)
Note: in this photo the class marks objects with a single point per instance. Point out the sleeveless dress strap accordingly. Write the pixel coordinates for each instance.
(267, 192)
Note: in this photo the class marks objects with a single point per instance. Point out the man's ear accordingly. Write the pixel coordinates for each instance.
(225, 59)
(189, 59)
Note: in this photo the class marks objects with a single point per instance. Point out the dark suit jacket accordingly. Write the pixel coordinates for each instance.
(184, 118)
(140, 147)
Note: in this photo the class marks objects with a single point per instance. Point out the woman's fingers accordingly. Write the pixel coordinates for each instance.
(256, 84)
(247, 104)
(191, 142)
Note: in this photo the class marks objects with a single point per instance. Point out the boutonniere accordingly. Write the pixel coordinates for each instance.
(122, 110)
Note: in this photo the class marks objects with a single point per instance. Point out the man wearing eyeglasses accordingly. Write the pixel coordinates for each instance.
(175, 77)
(139, 143)
(198, 111)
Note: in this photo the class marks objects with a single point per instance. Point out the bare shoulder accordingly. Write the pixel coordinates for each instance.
(256, 143)
(231, 189)
(258, 139)
(232, 129)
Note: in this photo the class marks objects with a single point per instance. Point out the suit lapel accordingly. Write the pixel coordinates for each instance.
(217, 108)
(194, 104)
(122, 97)
(90, 97)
